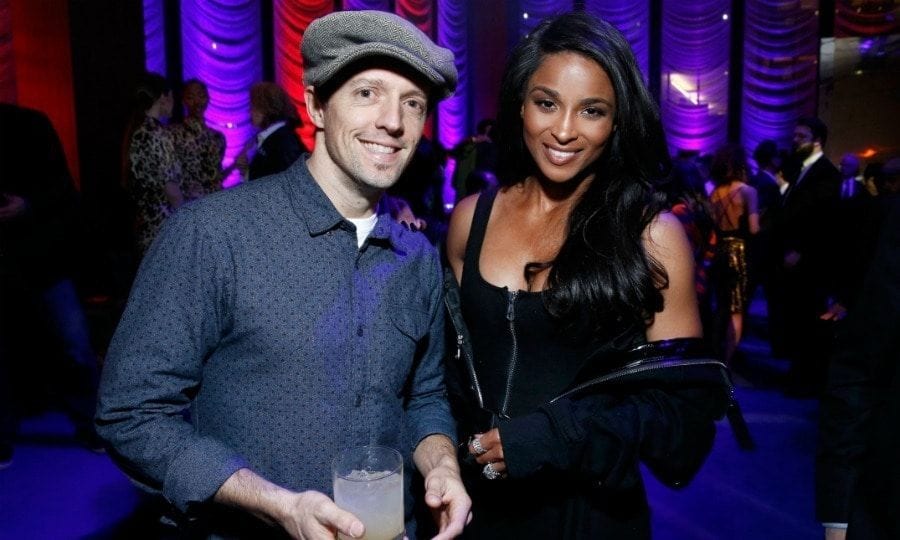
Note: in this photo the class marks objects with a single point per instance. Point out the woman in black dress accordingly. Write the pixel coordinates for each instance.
(571, 267)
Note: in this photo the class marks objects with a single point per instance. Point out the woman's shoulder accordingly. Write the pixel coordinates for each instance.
(665, 235)
(664, 223)
(460, 225)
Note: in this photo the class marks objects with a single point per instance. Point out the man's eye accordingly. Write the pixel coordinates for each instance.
(365, 92)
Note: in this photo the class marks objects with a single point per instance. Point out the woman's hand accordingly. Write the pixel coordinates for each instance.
(487, 448)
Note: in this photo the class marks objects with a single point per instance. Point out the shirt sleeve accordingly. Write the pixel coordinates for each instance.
(427, 408)
(174, 318)
(605, 436)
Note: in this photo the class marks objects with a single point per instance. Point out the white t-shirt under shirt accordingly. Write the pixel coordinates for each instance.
(363, 227)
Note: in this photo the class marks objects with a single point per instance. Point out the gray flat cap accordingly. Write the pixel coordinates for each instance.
(334, 41)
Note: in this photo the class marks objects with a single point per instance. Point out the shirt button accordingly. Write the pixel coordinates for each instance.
(359, 330)
(358, 403)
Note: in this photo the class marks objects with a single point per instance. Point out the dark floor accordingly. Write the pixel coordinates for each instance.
(55, 489)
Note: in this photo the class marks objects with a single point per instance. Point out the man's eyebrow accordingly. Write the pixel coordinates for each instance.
(374, 81)
(367, 81)
(417, 92)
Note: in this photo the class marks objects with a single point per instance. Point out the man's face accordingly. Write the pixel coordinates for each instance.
(803, 141)
(371, 125)
(849, 166)
(196, 99)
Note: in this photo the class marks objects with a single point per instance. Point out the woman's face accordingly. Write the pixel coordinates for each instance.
(568, 115)
(165, 104)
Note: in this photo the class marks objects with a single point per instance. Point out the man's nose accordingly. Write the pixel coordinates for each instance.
(390, 117)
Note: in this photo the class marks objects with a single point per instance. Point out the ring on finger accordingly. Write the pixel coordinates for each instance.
(489, 472)
(476, 445)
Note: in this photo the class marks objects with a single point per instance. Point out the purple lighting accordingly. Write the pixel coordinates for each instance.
(694, 90)
(780, 50)
(452, 113)
(380, 5)
(535, 11)
(154, 37)
(633, 20)
(222, 47)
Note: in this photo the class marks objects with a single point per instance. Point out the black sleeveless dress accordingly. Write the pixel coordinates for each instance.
(523, 359)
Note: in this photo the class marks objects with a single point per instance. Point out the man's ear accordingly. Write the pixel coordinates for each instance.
(314, 108)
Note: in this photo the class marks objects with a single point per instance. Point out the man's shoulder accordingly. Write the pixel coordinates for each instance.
(762, 179)
(410, 243)
(825, 169)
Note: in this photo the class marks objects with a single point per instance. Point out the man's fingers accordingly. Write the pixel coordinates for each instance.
(452, 521)
(333, 517)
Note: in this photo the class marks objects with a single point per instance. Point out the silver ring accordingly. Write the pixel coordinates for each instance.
(476, 445)
(489, 472)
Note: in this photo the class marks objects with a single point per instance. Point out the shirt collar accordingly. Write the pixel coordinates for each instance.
(319, 213)
(807, 163)
(264, 134)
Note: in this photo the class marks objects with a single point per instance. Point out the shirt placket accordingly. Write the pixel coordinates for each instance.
(358, 350)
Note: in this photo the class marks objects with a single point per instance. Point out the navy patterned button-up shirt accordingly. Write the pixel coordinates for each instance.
(255, 308)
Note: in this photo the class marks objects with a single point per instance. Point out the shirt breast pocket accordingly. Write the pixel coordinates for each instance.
(405, 337)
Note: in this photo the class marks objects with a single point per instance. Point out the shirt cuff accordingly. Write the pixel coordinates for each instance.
(199, 471)
(835, 525)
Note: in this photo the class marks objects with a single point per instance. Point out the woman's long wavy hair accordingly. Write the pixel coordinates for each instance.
(602, 270)
(149, 88)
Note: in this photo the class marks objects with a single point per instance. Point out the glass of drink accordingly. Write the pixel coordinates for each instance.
(368, 482)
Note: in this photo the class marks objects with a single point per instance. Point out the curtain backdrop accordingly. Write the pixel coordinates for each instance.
(291, 19)
(781, 46)
(633, 20)
(380, 5)
(453, 112)
(221, 41)
(155, 36)
(221, 46)
(420, 13)
(694, 88)
(532, 12)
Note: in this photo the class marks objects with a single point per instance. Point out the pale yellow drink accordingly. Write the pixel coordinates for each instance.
(368, 482)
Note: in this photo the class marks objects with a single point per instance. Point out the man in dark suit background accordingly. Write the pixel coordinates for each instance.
(807, 233)
(277, 144)
(857, 471)
(763, 255)
(857, 223)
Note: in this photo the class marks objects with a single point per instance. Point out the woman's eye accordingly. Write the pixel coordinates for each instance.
(594, 112)
(544, 103)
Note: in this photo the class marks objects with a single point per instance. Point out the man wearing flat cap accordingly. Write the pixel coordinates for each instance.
(275, 324)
